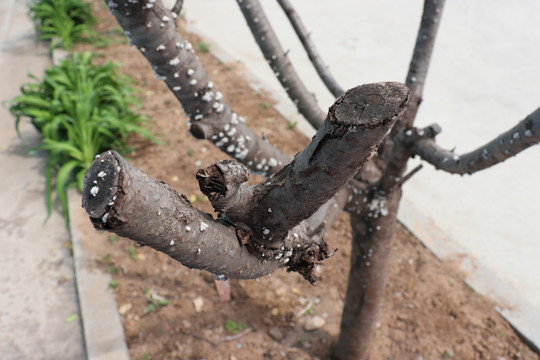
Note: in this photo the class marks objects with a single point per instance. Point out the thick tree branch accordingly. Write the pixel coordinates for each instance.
(316, 59)
(277, 58)
(149, 26)
(522, 136)
(126, 201)
(355, 126)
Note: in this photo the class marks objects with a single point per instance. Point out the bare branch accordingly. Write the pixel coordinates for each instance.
(316, 59)
(177, 8)
(355, 126)
(126, 201)
(418, 68)
(522, 136)
(281, 66)
(174, 61)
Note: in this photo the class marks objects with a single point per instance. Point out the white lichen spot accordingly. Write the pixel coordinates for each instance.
(188, 45)
(104, 218)
(188, 228)
(272, 162)
(174, 61)
(198, 250)
(149, 5)
(210, 84)
(101, 174)
(278, 256)
(266, 231)
(161, 47)
(190, 72)
(94, 191)
(193, 82)
(177, 88)
(165, 19)
(455, 157)
(230, 149)
(198, 117)
(220, 108)
(207, 97)
(97, 156)
(171, 243)
(528, 133)
(270, 210)
(179, 45)
(219, 95)
(203, 226)
(516, 135)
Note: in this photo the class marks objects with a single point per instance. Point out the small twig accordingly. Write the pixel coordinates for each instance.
(303, 311)
(220, 341)
(405, 178)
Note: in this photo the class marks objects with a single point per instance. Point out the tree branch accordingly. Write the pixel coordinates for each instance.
(355, 126)
(277, 59)
(316, 59)
(522, 136)
(418, 68)
(177, 8)
(173, 60)
(122, 199)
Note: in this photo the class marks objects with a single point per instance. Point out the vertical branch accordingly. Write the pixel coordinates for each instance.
(316, 59)
(418, 68)
(279, 62)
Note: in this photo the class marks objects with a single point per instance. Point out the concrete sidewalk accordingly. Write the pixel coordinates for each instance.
(39, 312)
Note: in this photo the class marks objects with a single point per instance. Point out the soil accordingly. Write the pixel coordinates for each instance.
(428, 312)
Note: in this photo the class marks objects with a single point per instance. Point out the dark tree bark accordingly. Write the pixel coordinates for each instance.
(122, 199)
(282, 221)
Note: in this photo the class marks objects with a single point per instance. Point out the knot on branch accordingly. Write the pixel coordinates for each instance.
(223, 182)
(304, 261)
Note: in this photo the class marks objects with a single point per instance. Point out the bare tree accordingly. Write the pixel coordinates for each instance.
(281, 222)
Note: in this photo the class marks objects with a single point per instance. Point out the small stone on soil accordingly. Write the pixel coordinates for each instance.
(198, 304)
(314, 323)
(276, 333)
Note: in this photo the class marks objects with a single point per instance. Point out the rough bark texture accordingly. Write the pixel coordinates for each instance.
(370, 254)
(124, 200)
(151, 28)
(279, 62)
(356, 124)
(314, 56)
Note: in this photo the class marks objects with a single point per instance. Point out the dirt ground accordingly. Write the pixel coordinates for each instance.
(171, 312)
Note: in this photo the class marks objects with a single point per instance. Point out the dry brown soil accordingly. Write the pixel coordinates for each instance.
(428, 312)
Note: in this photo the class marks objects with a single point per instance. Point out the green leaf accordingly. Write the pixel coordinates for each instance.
(71, 318)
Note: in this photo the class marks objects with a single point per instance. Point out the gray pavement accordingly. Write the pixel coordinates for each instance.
(37, 286)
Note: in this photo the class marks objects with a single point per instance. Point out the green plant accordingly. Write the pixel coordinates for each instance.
(203, 47)
(234, 327)
(63, 22)
(132, 253)
(81, 109)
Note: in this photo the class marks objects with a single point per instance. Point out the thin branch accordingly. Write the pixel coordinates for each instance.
(149, 26)
(316, 59)
(522, 136)
(281, 66)
(177, 8)
(418, 68)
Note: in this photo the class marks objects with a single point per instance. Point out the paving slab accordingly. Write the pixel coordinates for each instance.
(39, 313)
